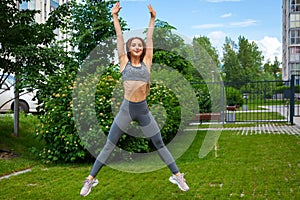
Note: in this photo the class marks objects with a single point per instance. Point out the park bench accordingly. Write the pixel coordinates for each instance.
(232, 108)
(207, 117)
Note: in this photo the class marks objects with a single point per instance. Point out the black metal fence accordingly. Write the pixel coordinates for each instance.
(262, 101)
(258, 101)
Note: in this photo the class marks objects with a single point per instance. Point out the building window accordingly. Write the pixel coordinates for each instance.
(295, 67)
(295, 20)
(295, 54)
(295, 36)
(295, 6)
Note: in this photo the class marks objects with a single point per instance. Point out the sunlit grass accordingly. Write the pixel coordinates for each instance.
(20, 146)
(242, 116)
(249, 167)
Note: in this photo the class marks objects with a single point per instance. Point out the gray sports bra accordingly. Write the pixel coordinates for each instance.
(131, 73)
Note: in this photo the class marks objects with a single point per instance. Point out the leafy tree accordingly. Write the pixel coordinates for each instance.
(91, 26)
(273, 68)
(26, 49)
(170, 50)
(164, 38)
(250, 59)
(15, 27)
(205, 60)
(26, 46)
(242, 62)
(206, 44)
(231, 68)
(194, 61)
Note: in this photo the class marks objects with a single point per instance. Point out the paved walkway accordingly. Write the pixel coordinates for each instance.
(297, 121)
(260, 129)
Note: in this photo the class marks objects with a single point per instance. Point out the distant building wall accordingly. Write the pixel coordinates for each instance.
(290, 39)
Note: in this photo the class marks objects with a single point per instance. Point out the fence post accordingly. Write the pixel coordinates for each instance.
(292, 99)
(223, 100)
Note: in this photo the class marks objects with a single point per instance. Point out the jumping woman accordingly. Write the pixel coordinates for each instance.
(135, 66)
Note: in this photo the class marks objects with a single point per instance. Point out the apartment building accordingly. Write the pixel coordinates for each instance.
(46, 7)
(291, 39)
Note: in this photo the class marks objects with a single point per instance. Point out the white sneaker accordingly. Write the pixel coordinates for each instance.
(87, 186)
(180, 181)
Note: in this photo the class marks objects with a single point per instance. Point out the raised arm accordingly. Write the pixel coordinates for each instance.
(149, 40)
(120, 40)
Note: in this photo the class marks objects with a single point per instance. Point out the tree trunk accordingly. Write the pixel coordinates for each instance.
(16, 108)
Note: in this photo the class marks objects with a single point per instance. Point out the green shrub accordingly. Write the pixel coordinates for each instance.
(234, 97)
(78, 111)
(281, 89)
(56, 126)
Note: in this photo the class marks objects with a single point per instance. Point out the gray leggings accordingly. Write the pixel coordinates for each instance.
(131, 111)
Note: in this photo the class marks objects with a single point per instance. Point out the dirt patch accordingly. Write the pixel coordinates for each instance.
(5, 154)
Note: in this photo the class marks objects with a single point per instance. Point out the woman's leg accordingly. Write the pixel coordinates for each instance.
(164, 153)
(152, 131)
(111, 142)
(118, 127)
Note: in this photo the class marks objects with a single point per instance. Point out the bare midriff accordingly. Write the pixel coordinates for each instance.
(135, 91)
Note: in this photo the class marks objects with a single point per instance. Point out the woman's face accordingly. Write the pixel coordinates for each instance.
(136, 48)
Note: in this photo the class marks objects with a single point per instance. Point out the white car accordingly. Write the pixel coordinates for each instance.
(7, 96)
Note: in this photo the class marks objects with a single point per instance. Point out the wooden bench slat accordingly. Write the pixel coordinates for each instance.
(231, 108)
(208, 116)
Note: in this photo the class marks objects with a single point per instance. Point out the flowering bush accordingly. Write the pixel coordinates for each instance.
(56, 126)
(80, 108)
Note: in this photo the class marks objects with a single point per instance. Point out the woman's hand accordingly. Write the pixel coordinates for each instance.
(152, 11)
(116, 9)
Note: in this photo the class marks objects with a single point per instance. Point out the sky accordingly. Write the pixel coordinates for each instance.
(257, 20)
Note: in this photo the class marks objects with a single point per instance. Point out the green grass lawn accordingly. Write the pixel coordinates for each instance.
(258, 116)
(20, 146)
(248, 167)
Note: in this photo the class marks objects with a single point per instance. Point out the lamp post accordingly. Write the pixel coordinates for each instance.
(212, 76)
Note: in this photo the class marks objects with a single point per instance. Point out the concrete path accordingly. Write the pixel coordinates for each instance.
(15, 174)
(259, 129)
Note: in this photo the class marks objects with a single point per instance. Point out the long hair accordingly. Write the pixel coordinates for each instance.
(128, 43)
